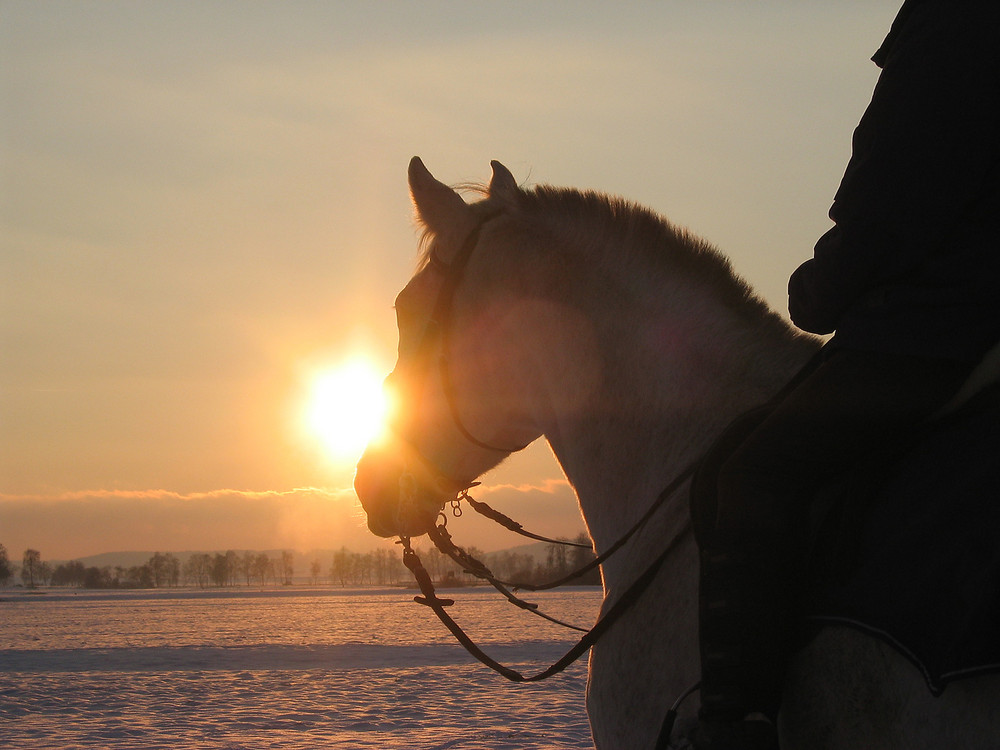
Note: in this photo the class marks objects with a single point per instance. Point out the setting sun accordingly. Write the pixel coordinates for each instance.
(346, 408)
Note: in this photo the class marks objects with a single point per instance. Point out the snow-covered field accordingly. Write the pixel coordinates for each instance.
(283, 669)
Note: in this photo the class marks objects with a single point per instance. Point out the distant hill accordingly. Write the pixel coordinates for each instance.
(114, 559)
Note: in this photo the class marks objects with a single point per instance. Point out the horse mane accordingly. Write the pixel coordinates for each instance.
(602, 228)
(625, 232)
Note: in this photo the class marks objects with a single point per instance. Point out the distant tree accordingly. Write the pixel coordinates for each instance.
(361, 566)
(31, 565)
(197, 568)
(287, 567)
(69, 574)
(157, 567)
(173, 570)
(232, 567)
(219, 569)
(165, 569)
(385, 565)
(44, 573)
(6, 569)
(556, 559)
(314, 570)
(139, 577)
(261, 567)
(97, 578)
(247, 566)
(512, 566)
(340, 568)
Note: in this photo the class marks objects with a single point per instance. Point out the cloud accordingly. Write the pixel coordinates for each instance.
(172, 495)
(86, 522)
(80, 523)
(547, 486)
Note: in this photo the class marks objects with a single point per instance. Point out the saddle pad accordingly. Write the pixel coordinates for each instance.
(926, 577)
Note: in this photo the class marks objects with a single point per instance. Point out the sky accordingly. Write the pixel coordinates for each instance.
(203, 208)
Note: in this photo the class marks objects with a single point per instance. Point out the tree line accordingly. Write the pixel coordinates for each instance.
(344, 568)
(162, 569)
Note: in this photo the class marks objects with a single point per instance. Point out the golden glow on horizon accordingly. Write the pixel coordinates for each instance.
(346, 408)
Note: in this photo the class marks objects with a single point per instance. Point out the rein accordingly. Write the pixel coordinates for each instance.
(442, 539)
(510, 524)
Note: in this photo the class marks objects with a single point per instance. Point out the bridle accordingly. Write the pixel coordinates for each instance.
(438, 327)
(436, 336)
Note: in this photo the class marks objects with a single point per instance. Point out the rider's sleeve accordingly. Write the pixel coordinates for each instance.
(920, 155)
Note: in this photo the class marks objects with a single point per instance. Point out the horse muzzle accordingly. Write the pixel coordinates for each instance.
(398, 501)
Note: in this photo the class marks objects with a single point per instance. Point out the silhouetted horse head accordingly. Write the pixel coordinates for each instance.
(455, 413)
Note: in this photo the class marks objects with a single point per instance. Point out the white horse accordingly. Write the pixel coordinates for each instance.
(628, 344)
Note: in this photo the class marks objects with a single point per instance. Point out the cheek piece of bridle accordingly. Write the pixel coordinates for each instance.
(437, 331)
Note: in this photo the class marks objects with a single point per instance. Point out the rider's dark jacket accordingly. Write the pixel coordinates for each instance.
(912, 264)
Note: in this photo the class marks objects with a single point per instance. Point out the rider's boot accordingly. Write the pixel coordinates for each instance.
(739, 695)
(753, 732)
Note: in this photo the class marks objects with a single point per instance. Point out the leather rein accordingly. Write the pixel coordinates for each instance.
(442, 540)
(438, 325)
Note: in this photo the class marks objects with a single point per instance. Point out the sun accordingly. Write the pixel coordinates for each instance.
(346, 408)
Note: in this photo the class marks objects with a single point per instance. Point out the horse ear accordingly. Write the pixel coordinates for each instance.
(502, 184)
(438, 206)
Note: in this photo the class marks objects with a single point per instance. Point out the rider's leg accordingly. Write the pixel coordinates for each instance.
(850, 407)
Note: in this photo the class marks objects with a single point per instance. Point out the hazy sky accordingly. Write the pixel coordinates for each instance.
(202, 204)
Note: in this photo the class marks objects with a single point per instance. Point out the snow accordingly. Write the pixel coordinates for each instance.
(296, 670)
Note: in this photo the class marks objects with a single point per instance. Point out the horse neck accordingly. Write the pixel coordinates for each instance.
(673, 373)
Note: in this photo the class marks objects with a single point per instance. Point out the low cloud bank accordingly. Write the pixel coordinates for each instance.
(82, 523)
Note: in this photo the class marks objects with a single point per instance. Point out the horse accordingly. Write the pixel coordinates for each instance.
(628, 343)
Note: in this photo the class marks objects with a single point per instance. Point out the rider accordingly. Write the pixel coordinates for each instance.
(907, 278)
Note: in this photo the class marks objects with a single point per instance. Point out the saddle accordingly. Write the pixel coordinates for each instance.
(909, 551)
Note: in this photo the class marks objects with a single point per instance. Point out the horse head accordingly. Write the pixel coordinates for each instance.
(455, 410)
